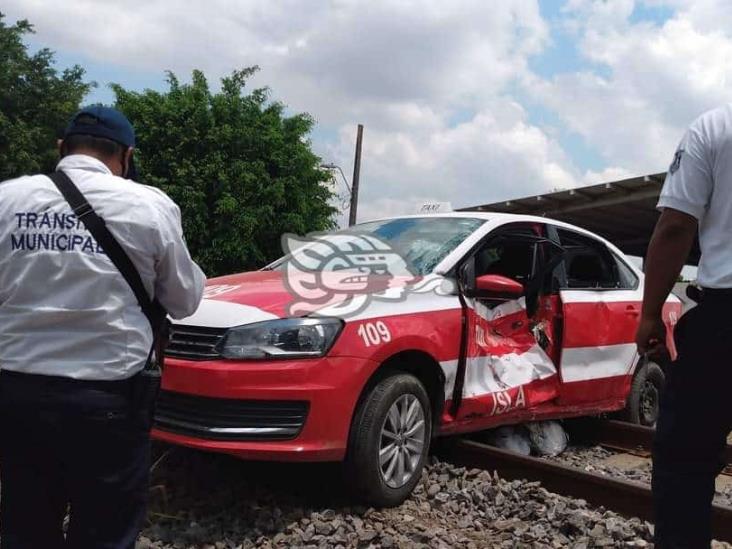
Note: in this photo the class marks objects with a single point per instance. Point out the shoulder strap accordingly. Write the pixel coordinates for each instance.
(152, 309)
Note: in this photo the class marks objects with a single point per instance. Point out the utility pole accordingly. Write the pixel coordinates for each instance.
(356, 175)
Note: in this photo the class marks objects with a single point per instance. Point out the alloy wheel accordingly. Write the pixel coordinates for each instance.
(649, 404)
(402, 441)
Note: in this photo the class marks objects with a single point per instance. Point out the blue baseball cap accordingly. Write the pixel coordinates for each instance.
(102, 121)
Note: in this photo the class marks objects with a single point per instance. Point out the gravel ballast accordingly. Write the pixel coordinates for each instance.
(218, 502)
(628, 467)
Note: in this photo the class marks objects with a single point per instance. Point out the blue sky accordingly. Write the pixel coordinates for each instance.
(104, 74)
(464, 101)
(564, 56)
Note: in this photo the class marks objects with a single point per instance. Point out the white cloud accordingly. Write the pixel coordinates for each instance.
(495, 155)
(344, 50)
(405, 69)
(434, 82)
(651, 79)
(612, 173)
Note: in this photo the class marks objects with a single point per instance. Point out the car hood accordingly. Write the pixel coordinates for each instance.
(257, 296)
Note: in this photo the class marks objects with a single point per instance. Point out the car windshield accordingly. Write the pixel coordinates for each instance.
(415, 243)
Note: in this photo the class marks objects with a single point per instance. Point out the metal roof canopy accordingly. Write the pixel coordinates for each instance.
(624, 212)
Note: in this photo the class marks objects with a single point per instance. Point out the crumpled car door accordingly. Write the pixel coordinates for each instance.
(507, 369)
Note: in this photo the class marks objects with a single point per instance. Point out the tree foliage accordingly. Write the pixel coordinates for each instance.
(35, 102)
(241, 170)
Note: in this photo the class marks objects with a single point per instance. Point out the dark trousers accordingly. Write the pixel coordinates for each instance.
(76, 446)
(695, 420)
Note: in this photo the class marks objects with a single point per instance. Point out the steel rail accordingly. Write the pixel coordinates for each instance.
(631, 438)
(630, 499)
(627, 436)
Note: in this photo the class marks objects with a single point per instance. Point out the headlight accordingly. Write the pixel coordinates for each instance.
(286, 338)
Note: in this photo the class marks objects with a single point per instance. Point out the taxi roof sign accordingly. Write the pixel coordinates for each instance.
(433, 207)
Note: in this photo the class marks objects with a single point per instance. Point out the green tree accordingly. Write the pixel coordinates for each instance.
(35, 103)
(241, 170)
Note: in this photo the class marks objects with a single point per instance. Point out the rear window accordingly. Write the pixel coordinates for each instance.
(628, 278)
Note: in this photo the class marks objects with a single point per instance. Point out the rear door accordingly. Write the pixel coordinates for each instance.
(508, 366)
(601, 302)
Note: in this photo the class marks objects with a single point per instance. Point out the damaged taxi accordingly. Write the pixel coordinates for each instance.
(363, 345)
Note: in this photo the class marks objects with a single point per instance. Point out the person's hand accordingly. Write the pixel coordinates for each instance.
(651, 336)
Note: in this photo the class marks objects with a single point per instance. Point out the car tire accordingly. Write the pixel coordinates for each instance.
(373, 434)
(642, 407)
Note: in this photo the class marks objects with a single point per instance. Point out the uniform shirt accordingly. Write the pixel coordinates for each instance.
(65, 310)
(699, 183)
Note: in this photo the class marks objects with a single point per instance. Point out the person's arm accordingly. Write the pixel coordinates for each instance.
(667, 253)
(684, 201)
(179, 282)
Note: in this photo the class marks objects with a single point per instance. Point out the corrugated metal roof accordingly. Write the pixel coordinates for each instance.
(624, 212)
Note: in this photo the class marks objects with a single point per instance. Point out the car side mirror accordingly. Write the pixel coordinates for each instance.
(497, 286)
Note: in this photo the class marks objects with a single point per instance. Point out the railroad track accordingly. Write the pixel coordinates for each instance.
(627, 498)
(632, 439)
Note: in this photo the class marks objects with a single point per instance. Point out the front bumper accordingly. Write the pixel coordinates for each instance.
(229, 418)
(295, 410)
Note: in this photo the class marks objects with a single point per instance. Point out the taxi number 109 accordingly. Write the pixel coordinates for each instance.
(374, 333)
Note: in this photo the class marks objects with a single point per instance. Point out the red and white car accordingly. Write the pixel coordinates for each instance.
(362, 346)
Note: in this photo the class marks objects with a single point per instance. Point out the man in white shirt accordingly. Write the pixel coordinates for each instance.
(696, 416)
(73, 341)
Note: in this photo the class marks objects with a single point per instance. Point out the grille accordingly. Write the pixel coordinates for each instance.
(229, 419)
(194, 342)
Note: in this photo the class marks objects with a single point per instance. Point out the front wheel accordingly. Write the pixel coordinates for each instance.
(645, 394)
(390, 438)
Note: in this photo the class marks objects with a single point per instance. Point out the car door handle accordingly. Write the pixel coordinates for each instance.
(632, 310)
(516, 325)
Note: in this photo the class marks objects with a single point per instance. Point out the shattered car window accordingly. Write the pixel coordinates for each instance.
(507, 258)
(424, 241)
(419, 242)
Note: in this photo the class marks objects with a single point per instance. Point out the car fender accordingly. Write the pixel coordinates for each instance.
(377, 338)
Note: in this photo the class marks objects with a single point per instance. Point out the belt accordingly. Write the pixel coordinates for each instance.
(119, 386)
(717, 292)
(709, 294)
